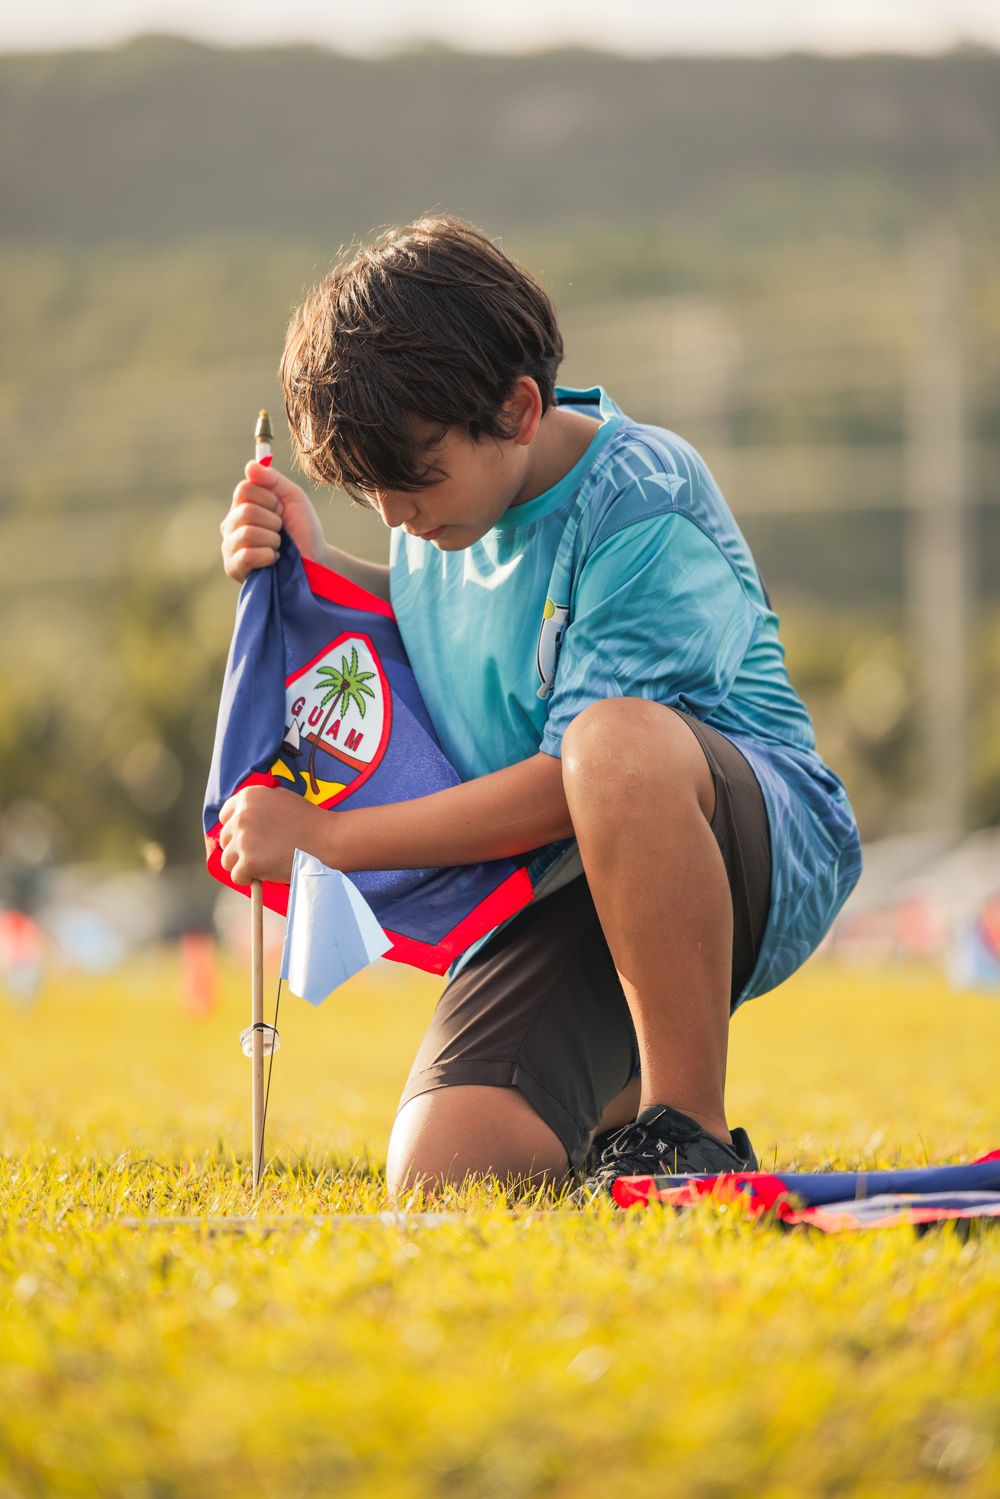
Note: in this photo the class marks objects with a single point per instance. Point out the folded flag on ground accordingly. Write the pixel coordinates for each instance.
(319, 697)
(836, 1200)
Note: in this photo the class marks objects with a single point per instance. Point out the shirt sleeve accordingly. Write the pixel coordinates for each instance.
(658, 612)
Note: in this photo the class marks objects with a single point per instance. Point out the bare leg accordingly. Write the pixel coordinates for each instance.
(463, 1131)
(641, 796)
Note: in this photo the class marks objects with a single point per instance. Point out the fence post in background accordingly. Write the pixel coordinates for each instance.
(937, 574)
(696, 376)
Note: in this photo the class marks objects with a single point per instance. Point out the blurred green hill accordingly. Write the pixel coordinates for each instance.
(165, 139)
(728, 244)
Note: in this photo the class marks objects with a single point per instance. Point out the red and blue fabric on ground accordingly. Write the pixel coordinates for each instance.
(319, 698)
(837, 1200)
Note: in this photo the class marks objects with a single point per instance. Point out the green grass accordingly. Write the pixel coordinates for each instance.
(500, 1353)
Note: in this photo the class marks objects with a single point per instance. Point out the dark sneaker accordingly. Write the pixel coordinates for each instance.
(665, 1142)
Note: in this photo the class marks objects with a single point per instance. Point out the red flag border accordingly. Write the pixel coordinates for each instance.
(327, 584)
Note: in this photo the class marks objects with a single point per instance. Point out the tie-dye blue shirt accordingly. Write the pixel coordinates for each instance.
(629, 578)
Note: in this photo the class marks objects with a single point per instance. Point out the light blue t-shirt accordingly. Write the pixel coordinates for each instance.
(629, 578)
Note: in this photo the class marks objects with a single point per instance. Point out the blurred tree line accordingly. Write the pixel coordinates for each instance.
(727, 246)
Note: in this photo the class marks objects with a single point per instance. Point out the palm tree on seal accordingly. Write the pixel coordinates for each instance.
(345, 684)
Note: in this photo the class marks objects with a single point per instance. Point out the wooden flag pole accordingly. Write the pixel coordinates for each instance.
(262, 453)
(257, 1021)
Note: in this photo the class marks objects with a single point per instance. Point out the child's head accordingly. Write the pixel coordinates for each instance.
(421, 337)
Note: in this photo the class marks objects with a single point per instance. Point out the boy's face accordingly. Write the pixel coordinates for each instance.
(474, 483)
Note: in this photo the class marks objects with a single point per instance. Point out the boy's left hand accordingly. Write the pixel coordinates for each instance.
(262, 826)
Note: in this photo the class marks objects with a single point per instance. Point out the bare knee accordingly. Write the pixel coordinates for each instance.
(623, 746)
(456, 1133)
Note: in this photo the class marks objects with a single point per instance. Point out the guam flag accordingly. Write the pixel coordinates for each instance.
(320, 698)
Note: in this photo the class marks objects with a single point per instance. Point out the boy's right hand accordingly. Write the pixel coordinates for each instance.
(263, 504)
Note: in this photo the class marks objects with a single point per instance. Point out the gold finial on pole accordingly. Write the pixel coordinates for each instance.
(263, 436)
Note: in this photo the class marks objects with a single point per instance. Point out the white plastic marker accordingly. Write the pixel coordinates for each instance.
(262, 453)
(331, 933)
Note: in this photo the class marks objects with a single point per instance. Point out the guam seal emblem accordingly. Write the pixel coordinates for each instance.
(338, 716)
(550, 638)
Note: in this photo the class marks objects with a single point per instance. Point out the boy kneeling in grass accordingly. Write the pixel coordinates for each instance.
(598, 656)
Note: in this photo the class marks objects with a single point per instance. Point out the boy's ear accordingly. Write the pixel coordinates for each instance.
(523, 409)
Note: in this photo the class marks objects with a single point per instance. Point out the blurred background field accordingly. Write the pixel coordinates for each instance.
(839, 1069)
(545, 1353)
(792, 260)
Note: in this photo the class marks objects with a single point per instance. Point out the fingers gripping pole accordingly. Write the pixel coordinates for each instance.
(257, 1023)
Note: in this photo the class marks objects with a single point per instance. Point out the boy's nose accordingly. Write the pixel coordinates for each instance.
(395, 509)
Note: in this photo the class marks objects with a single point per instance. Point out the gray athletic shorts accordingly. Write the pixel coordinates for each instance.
(540, 1007)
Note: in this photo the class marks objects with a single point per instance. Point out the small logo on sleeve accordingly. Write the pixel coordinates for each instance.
(550, 638)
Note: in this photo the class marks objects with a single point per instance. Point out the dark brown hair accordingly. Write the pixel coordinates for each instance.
(431, 322)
